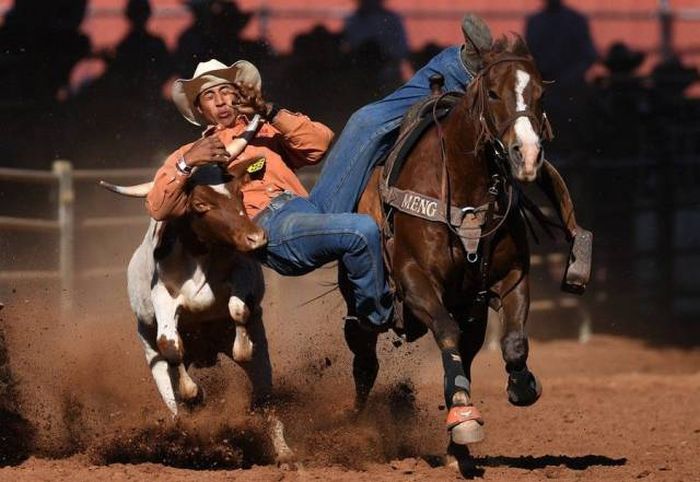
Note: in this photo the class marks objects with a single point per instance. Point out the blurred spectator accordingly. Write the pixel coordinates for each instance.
(118, 116)
(215, 33)
(675, 131)
(670, 79)
(560, 41)
(621, 103)
(378, 38)
(315, 78)
(42, 38)
(421, 57)
(41, 43)
(141, 62)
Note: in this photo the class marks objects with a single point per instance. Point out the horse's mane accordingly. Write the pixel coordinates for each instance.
(513, 45)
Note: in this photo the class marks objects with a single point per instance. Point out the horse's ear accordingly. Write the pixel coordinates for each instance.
(520, 48)
(477, 35)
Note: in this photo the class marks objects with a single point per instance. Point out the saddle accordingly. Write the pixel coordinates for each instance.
(465, 221)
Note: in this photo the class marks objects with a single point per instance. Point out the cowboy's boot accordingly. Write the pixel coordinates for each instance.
(477, 41)
(578, 269)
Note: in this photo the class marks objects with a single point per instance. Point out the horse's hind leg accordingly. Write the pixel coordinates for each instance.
(523, 387)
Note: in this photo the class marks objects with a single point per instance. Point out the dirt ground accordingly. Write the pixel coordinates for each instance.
(612, 409)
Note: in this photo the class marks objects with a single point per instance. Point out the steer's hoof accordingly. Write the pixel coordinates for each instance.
(465, 424)
(197, 400)
(523, 388)
(242, 345)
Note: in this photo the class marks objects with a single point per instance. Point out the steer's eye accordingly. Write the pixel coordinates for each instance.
(241, 213)
(493, 95)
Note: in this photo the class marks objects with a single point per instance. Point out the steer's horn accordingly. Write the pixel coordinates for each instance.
(137, 190)
(236, 146)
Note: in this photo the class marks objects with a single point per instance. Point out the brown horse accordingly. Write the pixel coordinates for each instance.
(447, 265)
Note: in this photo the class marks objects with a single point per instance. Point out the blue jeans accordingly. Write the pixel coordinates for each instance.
(301, 239)
(372, 130)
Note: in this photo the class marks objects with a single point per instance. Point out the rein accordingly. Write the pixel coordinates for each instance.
(488, 132)
(445, 190)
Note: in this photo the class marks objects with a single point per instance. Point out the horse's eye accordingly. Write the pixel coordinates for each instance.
(493, 95)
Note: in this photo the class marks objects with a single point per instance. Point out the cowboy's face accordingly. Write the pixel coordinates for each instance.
(216, 105)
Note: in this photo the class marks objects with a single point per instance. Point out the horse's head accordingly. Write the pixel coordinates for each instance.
(506, 96)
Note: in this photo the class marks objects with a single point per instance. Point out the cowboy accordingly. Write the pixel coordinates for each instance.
(373, 129)
(300, 237)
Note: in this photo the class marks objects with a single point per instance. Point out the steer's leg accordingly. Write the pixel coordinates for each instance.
(163, 373)
(523, 387)
(167, 313)
(242, 345)
(259, 371)
(463, 420)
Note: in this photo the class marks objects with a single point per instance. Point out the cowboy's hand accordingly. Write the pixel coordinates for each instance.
(250, 100)
(206, 150)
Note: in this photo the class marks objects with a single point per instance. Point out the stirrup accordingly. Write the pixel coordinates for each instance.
(578, 269)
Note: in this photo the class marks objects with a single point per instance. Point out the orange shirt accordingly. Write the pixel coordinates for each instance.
(289, 142)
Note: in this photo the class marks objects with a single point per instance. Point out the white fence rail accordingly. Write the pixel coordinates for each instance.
(62, 177)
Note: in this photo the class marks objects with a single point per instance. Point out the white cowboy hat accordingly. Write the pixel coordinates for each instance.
(207, 75)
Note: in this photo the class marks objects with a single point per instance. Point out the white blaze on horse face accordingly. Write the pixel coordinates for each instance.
(529, 140)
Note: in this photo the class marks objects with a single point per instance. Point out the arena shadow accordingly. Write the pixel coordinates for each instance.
(531, 463)
(473, 467)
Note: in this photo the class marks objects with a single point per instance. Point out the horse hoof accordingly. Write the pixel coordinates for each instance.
(465, 424)
(524, 388)
(470, 432)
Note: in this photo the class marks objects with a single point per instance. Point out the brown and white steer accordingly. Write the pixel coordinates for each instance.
(195, 292)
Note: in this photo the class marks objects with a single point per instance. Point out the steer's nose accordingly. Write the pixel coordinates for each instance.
(256, 239)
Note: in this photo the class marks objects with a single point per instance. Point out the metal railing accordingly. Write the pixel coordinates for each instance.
(62, 177)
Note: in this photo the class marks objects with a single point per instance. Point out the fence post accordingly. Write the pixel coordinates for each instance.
(66, 221)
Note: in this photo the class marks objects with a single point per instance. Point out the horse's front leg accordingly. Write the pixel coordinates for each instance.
(464, 422)
(523, 387)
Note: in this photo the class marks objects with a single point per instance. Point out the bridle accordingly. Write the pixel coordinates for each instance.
(489, 133)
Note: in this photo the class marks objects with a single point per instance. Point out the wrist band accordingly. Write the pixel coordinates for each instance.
(182, 166)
